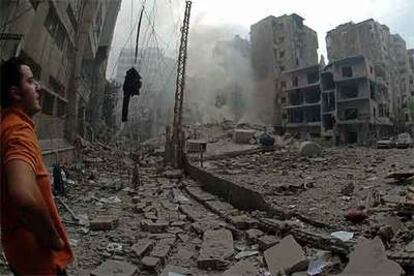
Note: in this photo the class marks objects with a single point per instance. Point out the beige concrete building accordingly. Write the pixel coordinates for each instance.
(54, 37)
(301, 100)
(279, 44)
(386, 52)
(354, 105)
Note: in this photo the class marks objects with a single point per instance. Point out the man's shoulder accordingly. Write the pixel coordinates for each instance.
(11, 123)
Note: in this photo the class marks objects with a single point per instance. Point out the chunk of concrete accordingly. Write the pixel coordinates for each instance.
(161, 250)
(243, 136)
(369, 258)
(142, 247)
(154, 227)
(309, 149)
(115, 268)
(286, 257)
(267, 241)
(151, 263)
(103, 223)
(216, 248)
(242, 268)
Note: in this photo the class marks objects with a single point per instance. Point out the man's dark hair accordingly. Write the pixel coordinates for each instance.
(10, 75)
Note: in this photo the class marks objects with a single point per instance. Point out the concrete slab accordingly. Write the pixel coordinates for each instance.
(115, 268)
(142, 247)
(286, 257)
(369, 258)
(169, 269)
(216, 248)
(242, 268)
(103, 223)
(151, 263)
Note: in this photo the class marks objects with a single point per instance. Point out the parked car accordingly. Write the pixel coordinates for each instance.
(404, 141)
(386, 143)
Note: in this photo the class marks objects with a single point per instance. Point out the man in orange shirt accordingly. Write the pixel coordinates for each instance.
(33, 237)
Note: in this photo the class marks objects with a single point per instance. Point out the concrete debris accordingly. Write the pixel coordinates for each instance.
(115, 268)
(400, 177)
(174, 174)
(286, 257)
(348, 189)
(114, 247)
(242, 268)
(244, 254)
(410, 247)
(151, 263)
(111, 200)
(267, 241)
(216, 249)
(103, 223)
(243, 136)
(369, 258)
(154, 227)
(142, 247)
(309, 149)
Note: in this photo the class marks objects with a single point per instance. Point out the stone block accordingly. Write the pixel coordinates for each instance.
(151, 263)
(115, 268)
(243, 136)
(309, 149)
(243, 222)
(286, 257)
(154, 227)
(369, 258)
(216, 249)
(103, 223)
(161, 250)
(267, 241)
(142, 247)
(242, 268)
(253, 234)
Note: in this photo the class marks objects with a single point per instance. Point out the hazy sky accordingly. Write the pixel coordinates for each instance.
(236, 16)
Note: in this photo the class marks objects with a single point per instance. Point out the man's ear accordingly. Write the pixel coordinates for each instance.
(15, 94)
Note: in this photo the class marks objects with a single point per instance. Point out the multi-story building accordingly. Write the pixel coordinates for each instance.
(354, 102)
(302, 101)
(343, 102)
(279, 44)
(54, 37)
(410, 107)
(385, 51)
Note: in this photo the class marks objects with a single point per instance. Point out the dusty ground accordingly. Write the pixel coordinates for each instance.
(311, 187)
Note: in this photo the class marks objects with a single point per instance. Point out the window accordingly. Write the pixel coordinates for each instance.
(281, 54)
(283, 100)
(48, 101)
(313, 77)
(351, 114)
(283, 84)
(61, 108)
(281, 39)
(282, 68)
(55, 27)
(295, 82)
(347, 71)
(284, 115)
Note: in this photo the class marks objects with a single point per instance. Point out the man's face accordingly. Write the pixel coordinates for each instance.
(29, 91)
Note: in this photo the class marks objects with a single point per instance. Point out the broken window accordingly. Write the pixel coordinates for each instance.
(351, 114)
(61, 108)
(347, 71)
(328, 81)
(328, 102)
(295, 116)
(313, 115)
(349, 92)
(48, 102)
(328, 121)
(313, 77)
(313, 96)
(296, 98)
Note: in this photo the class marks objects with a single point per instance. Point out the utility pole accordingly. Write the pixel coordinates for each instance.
(177, 142)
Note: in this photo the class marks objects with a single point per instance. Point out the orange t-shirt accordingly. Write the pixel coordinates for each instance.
(24, 252)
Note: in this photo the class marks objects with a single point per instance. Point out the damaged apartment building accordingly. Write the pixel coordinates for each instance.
(61, 41)
(359, 96)
(279, 44)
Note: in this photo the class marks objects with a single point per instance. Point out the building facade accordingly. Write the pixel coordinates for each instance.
(279, 44)
(54, 37)
(387, 53)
